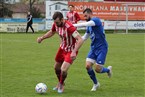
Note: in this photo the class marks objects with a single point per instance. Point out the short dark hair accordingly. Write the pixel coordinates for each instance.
(57, 15)
(71, 5)
(88, 10)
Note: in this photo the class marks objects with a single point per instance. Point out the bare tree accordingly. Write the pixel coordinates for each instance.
(31, 3)
(5, 9)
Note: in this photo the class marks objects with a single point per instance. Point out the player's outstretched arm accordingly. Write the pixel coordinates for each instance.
(85, 24)
(47, 35)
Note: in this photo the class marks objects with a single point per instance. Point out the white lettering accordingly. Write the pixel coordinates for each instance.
(112, 8)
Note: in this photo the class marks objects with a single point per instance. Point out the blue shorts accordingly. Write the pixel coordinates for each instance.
(97, 56)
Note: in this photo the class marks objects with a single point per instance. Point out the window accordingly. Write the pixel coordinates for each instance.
(50, 13)
(57, 7)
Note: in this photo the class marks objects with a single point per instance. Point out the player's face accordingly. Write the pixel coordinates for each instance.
(28, 13)
(59, 22)
(87, 16)
(70, 8)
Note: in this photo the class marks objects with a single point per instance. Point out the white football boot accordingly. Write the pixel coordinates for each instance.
(95, 87)
(110, 71)
(60, 88)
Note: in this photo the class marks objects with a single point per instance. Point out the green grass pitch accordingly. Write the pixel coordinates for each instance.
(24, 63)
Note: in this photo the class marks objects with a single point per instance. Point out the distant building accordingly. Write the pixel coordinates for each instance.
(56, 6)
(20, 10)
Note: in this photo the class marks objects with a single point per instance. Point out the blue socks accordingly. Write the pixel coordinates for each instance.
(104, 70)
(92, 75)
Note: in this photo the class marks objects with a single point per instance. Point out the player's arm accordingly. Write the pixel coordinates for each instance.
(85, 36)
(67, 16)
(30, 18)
(77, 17)
(85, 24)
(49, 34)
(79, 43)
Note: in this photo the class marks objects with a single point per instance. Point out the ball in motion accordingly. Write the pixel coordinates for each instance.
(41, 88)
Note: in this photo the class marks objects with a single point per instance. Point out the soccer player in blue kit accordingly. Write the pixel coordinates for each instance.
(98, 48)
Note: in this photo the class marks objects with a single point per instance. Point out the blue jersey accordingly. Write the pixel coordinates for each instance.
(97, 34)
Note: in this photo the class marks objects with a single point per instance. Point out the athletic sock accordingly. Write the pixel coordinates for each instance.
(104, 70)
(58, 73)
(62, 78)
(92, 75)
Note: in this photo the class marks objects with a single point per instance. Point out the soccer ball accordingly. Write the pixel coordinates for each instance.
(41, 88)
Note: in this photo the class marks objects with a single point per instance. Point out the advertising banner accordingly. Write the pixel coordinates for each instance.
(16, 27)
(112, 14)
(112, 11)
(112, 25)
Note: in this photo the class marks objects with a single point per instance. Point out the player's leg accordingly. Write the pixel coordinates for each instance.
(100, 61)
(32, 28)
(64, 68)
(27, 27)
(89, 63)
(90, 70)
(57, 66)
(91, 73)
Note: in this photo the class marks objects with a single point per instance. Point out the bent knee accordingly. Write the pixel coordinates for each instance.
(57, 66)
(98, 68)
(88, 67)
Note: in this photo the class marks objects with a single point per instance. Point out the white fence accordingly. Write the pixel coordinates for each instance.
(108, 25)
(112, 25)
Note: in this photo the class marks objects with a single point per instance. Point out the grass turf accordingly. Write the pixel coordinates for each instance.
(24, 63)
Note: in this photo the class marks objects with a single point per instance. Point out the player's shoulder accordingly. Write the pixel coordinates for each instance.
(95, 18)
(74, 12)
(68, 24)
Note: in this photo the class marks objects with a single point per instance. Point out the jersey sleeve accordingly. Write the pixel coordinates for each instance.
(53, 28)
(87, 30)
(97, 21)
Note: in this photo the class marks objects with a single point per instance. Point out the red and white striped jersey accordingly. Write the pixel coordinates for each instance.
(65, 33)
(73, 17)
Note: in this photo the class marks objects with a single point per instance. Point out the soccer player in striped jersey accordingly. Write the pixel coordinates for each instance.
(70, 42)
(72, 15)
(98, 47)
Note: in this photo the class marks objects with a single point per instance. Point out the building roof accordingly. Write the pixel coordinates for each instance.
(20, 8)
(24, 8)
(58, 3)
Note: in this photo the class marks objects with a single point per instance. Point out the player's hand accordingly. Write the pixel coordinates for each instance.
(39, 39)
(73, 55)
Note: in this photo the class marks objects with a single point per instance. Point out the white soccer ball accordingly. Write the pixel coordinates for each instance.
(41, 88)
